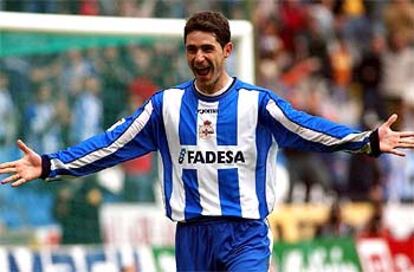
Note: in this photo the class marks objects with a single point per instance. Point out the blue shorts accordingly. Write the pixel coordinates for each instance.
(223, 244)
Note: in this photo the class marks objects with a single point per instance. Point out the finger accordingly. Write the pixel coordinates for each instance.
(23, 147)
(406, 141)
(18, 182)
(10, 179)
(397, 152)
(405, 134)
(7, 165)
(405, 145)
(391, 120)
(9, 170)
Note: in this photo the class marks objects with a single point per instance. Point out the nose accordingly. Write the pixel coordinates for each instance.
(199, 57)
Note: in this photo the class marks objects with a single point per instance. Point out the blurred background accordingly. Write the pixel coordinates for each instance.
(351, 61)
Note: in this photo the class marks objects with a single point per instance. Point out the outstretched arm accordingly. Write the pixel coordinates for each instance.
(390, 141)
(28, 168)
(296, 129)
(133, 137)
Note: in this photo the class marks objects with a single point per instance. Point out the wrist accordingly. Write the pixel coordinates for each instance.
(45, 167)
(374, 144)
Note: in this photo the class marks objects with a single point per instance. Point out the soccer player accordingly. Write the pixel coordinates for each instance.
(217, 138)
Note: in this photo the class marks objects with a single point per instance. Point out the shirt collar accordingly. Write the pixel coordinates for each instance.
(222, 90)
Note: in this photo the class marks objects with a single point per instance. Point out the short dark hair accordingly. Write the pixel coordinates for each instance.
(209, 21)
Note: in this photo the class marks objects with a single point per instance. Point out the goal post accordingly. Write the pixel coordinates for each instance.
(242, 31)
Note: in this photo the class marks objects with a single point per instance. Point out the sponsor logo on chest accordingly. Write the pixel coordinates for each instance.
(210, 156)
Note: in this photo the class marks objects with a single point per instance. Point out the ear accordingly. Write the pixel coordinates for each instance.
(228, 49)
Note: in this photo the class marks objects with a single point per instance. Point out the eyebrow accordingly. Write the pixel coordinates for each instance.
(203, 46)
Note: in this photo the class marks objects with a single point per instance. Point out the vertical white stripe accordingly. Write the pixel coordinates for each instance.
(208, 189)
(207, 173)
(247, 115)
(271, 176)
(4, 262)
(171, 114)
(161, 193)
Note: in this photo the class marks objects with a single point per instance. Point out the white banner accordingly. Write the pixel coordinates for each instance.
(128, 224)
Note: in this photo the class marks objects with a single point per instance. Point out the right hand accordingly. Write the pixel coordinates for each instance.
(28, 168)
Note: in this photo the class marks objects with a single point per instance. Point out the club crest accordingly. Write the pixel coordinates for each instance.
(206, 130)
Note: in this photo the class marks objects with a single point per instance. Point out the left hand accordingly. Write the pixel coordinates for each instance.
(390, 141)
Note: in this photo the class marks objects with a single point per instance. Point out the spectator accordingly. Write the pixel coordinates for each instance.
(375, 227)
(335, 225)
(87, 111)
(89, 7)
(369, 74)
(341, 63)
(8, 120)
(44, 6)
(62, 214)
(400, 177)
(398, 72)
(399, 18)
(321, 13)
(18, 73)
(115, 77)
(131, 8)
(43, 128)
(357, 27)
(78, 213)
(315, 46)
(75, 68)
(108, 7)
(292, 16)
(309, 170)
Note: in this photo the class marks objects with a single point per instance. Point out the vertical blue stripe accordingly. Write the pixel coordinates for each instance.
(166, 161)
(167, 170)
(228, 180)
(263, 143)
(192, 195)
(188, 119)
(227, 120)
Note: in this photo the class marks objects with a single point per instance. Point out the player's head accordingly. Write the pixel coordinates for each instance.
(207, 44)
(211, 22)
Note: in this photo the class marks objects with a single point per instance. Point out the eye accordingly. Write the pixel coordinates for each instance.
(191, 49)
(207, 48)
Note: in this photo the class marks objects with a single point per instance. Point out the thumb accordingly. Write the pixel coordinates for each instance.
(391, 120)
(23, 147)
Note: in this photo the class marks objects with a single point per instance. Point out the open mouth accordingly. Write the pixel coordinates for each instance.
(202, 71)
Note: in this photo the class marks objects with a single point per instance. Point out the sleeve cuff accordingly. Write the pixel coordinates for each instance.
(374, 143)
(45, 167)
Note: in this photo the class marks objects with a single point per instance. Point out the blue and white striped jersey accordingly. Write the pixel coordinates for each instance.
(217, 154)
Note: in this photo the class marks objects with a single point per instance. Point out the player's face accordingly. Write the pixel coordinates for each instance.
(206, 59)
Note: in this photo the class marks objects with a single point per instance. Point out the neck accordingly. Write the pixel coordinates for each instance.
(214, 87)
(223, 87)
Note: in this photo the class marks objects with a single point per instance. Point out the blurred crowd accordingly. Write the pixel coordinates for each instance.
(351, 61)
